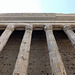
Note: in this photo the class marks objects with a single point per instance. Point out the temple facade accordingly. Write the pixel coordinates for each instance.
(37, 44)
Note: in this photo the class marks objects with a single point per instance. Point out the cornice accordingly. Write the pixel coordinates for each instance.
(37, 16)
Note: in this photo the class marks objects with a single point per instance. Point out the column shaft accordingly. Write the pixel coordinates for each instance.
(71, 35)
(5, 36)
(56, 63)
(23, 56)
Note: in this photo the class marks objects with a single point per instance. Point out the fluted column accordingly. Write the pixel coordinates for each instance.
(5, 36)
(23, 56)
(71, 35)
(56, 63)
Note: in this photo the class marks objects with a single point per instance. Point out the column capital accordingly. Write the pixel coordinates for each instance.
(10, 27)
(28, 27)
(65, 27)
(48, 27)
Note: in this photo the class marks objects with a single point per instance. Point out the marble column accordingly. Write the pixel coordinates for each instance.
(5, 36)
(23, 56)
(56, 63)
(71, 35)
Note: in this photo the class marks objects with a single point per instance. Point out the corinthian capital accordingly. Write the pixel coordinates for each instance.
(48, 27)
(10, 27)
(28, 27)
(67, 27)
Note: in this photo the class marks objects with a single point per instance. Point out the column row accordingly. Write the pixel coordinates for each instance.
(21, 65)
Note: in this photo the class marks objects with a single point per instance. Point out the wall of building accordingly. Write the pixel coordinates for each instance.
(39, 58)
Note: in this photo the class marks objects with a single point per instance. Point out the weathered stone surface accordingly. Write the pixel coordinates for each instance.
(70, 33)
(37, 60)
(5, 36)
(56, 63)
(39, 57)
(37, 16)
(21, 65)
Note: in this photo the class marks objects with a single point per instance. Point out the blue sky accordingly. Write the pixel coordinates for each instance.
(58, 6)
(37, 6)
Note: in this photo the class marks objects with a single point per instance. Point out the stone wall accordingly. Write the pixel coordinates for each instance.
(39, 58)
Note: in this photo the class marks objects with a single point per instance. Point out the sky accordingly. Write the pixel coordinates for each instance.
(37, 6)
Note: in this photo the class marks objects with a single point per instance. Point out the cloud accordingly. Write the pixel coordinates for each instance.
(20, 6)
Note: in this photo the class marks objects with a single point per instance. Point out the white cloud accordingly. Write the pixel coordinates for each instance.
(20, 6)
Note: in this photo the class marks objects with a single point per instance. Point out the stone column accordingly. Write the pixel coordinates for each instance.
(23, 56)
(71, 35)
(5, 36)
(56, 63)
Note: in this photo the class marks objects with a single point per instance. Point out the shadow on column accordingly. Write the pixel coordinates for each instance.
(39, 57)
